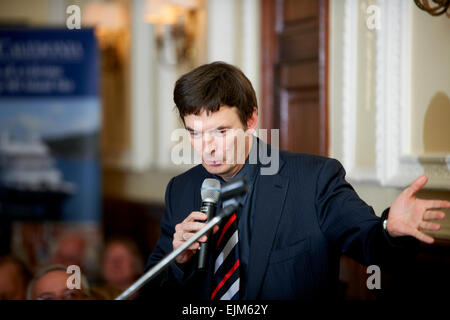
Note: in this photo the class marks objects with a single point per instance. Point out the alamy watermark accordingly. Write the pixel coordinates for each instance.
(374, 280)
(73, 281)
(373, 17)
(193, 147)
(73, 21)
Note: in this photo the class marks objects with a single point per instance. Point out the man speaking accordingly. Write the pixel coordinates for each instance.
(286, 239)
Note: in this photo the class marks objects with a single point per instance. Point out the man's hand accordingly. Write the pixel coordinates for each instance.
(409, 215)
(185, 230)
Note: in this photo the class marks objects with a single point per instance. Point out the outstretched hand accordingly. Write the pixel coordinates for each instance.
(409, 216)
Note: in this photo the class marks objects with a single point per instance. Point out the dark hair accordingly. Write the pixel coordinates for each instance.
(211, 86)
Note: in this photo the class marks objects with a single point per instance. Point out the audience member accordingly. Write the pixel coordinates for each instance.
(122, 264)
(70, 250)
(50, 283)
(14, 278)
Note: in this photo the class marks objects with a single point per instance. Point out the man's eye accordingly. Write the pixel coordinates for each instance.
(220, 132)
(195, 134)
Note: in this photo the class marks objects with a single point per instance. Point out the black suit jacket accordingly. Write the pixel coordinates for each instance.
(306, 216)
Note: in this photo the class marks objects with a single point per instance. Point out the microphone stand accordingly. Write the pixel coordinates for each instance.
(164, 263)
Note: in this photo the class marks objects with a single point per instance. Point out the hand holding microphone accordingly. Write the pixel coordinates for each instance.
(184, 247)
(210, 193)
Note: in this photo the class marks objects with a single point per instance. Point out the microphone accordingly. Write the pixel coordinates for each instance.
(234, 189)
(210, 192)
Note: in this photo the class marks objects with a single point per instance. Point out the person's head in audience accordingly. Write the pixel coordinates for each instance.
(122, 262)
(14, 277)
(50, 283)
(70, 250)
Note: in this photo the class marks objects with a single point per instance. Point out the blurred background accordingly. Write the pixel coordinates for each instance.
(87, 116)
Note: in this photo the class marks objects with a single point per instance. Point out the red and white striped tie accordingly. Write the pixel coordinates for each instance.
(226, 263)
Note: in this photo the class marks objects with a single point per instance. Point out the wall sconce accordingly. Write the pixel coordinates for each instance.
(440, 8)
(110, 20)
(174, 22)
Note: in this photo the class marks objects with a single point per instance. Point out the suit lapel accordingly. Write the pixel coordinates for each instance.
(271, 194)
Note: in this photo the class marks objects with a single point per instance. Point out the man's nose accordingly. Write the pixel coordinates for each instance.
(208, 143)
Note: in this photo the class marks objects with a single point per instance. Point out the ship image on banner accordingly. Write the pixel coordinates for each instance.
(28, 175)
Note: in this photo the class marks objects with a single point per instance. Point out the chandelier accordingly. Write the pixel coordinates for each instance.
(440, 7)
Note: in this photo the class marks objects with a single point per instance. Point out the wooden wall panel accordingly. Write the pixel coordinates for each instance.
(294, 69)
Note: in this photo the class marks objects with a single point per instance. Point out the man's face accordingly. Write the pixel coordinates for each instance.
(70, 251)
(221, 139)
(53, 286)
(118, 265)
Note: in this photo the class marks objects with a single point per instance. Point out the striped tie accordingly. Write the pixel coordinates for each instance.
(226, 266)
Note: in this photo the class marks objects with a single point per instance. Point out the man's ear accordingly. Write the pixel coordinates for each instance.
(252, 122)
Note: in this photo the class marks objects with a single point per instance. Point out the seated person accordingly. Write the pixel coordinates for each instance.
(50, 283)
(14, 278)
(70, 250)
(122, 264)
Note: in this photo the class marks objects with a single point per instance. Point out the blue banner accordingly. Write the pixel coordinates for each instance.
(51, 62)
(49, 124)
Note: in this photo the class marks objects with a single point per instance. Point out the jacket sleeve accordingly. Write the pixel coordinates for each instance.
(170, 280)
(352, 225)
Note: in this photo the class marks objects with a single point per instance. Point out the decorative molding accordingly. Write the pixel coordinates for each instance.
(396, 166)
(349, 71)
(349, 95)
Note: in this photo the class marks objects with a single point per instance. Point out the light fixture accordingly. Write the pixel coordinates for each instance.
(167, 11)
(111, 23)
(109, 15)
(440, 7)
(173, 20)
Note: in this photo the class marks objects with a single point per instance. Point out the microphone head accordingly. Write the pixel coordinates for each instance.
(210, 190)
(235, 188)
